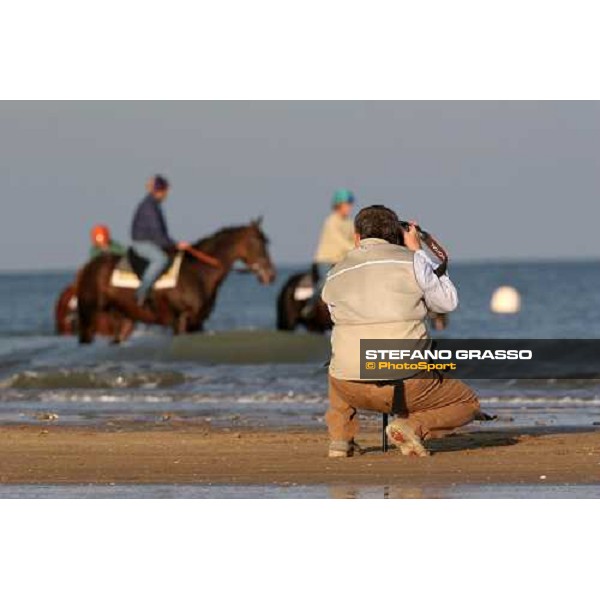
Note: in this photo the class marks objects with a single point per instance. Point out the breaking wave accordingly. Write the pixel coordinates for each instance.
(87, 379)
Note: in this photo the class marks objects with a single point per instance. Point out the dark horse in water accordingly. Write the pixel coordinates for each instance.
(185, 307)
(293, 299)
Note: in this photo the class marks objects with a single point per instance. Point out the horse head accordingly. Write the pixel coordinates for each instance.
(254, 252)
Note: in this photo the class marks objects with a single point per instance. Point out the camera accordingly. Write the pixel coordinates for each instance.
(405, 225)
(432, 244)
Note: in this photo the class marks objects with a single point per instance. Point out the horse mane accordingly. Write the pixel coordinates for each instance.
(215, 242)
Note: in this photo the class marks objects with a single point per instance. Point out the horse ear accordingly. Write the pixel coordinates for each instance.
(258, 221)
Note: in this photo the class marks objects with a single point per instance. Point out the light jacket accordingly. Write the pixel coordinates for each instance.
(374, 293)
(337, 239)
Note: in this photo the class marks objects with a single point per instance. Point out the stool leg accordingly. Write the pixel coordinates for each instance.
(384, 438)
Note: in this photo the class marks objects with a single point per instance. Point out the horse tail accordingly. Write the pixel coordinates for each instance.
(283, 319)
(87, 303)
(92, 285)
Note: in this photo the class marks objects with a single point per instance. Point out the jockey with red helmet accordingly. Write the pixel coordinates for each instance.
(102, 243)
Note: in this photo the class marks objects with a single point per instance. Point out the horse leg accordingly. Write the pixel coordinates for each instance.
(180, 323)
(87, 321)
(115, 327)
(288, 314)
(127, 327)
(195, 327)
(122, 328)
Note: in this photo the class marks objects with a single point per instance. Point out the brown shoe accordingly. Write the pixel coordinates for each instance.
(405, 439)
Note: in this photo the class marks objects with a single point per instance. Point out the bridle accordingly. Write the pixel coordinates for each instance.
(257, 269)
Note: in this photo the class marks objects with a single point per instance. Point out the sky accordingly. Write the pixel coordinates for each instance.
(491, 180)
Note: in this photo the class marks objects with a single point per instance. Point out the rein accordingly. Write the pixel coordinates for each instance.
(203, 257)
(255, 268)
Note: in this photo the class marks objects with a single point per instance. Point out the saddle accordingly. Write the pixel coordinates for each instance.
(304, 288)
(131, 267)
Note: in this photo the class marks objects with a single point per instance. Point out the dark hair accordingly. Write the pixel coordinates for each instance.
(160, 183)
(378, 221)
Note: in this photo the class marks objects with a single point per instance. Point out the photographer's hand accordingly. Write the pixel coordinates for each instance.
(412, 238)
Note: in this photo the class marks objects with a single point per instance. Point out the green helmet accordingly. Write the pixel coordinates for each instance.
(342, 195)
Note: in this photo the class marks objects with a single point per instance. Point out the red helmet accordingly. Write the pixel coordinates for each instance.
(100, 235)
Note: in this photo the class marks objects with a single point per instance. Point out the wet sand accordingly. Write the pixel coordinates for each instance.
(180, 452)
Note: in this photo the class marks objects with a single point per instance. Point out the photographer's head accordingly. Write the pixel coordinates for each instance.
(377, 221)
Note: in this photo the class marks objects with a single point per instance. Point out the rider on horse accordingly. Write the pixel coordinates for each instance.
(150, 235)
(102, 242)
(337, 239)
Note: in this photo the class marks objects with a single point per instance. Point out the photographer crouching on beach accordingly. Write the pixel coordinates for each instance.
(383, 290)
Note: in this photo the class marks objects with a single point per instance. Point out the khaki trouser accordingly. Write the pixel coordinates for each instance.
(432, 405)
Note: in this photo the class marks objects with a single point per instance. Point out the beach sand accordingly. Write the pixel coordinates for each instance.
(196, 453)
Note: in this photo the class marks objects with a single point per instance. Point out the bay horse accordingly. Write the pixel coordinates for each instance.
(185, 307)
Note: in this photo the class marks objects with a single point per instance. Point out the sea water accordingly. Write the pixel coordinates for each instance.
(242, 365)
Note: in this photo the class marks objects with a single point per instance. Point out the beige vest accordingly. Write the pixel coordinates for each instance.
(337, 239)
(372, 294)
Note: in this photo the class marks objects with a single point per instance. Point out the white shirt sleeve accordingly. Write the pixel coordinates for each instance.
(439, 292)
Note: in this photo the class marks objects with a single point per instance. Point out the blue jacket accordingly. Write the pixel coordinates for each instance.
(149, 224)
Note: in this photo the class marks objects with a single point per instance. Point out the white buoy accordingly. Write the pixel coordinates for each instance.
(505, 300)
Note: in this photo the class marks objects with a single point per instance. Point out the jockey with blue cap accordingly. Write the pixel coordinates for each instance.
(151, 239)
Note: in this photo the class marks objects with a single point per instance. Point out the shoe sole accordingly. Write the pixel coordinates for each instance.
(339, 454)
(405, 440)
